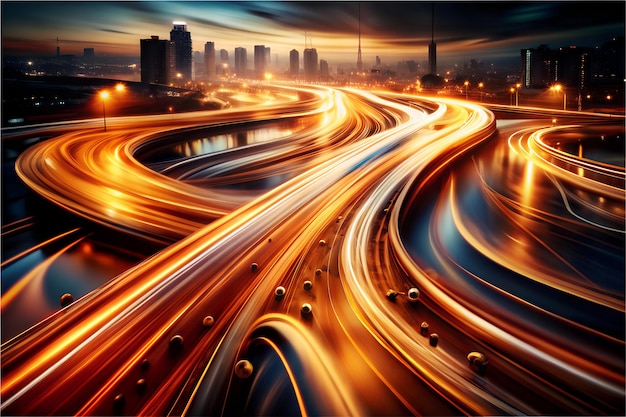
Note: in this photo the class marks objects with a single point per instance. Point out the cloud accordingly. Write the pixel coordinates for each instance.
(121, 32)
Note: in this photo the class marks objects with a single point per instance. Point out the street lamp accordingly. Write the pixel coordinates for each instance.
(104, 95)
(517, 87)
(466, 85)
(558, 88)
(480, 87)
(512, 91)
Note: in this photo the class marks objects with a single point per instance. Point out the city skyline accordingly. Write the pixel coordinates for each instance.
(391, 30)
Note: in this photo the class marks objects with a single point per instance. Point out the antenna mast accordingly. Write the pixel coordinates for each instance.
(359, 61)
(433, 23)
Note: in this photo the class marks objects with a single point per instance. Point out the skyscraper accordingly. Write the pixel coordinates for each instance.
(359, 59)
(324, 71)
(241, 62)
(157, 61)
(537, 67)
(209, 60)
(310, 64)
(294, 63)
(182, 39)
(259, 61)
(268, 57)
(432, 48)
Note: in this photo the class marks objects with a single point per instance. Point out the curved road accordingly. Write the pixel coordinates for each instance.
(143, 343)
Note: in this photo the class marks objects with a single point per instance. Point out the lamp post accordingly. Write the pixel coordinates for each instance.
(466, 85)
(511, 97)
(480, 87)
(517, 87)
(558, 88)
(104, 95)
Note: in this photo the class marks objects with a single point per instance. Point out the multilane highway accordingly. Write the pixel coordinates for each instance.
(198, 328)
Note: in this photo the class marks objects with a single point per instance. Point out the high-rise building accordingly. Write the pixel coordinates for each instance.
(537, 67)
(224, 59)
(89, 55)
(182, 39)
(223, 67)
(157, 61)
(241, 62)
(432, 48)
(310, 64)
(294, 63)
(610, 60)
(209, 60)
(268, 58)
(259, 61)
(198, 66)
(324, 71)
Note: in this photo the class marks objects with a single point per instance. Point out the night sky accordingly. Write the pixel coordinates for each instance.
(392, 30)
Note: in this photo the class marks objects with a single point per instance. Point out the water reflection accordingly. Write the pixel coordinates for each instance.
(538, 258)
(214, 140)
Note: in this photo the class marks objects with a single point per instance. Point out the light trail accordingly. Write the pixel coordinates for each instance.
(475, 266)
(139, 345)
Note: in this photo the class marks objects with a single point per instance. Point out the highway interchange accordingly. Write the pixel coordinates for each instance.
(356, 182)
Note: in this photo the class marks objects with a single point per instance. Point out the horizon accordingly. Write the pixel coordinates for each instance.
(393, 31)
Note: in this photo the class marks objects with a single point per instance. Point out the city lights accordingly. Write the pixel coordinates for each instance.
(326, 208)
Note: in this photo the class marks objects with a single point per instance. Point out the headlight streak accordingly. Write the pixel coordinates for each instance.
(583, 367)
(360, 163)
(102, 318)
(439, 369)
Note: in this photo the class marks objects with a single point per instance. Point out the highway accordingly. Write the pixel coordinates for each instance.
(360, 180)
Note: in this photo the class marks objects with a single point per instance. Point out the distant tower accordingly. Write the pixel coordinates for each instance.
(224, 59)
(58, 48)
(310, 64)
(259, 61)
(432, 48)
(209, 61)
(294, 63)
(241, 62)
(359, 60)
(182, 39)
(268, 57)
(157, 61)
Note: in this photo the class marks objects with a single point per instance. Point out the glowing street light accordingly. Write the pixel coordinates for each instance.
(104, 95)
(515, 90)
(480, 86)
(466, 83)
(558, 88)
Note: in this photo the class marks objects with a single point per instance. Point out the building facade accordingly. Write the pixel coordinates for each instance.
(324, 70)
(294, 63)
(241, 62)
(182, 39)
(310, 64)
(157, 61)
(209, 61)
(537, 67)
(259, 61)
